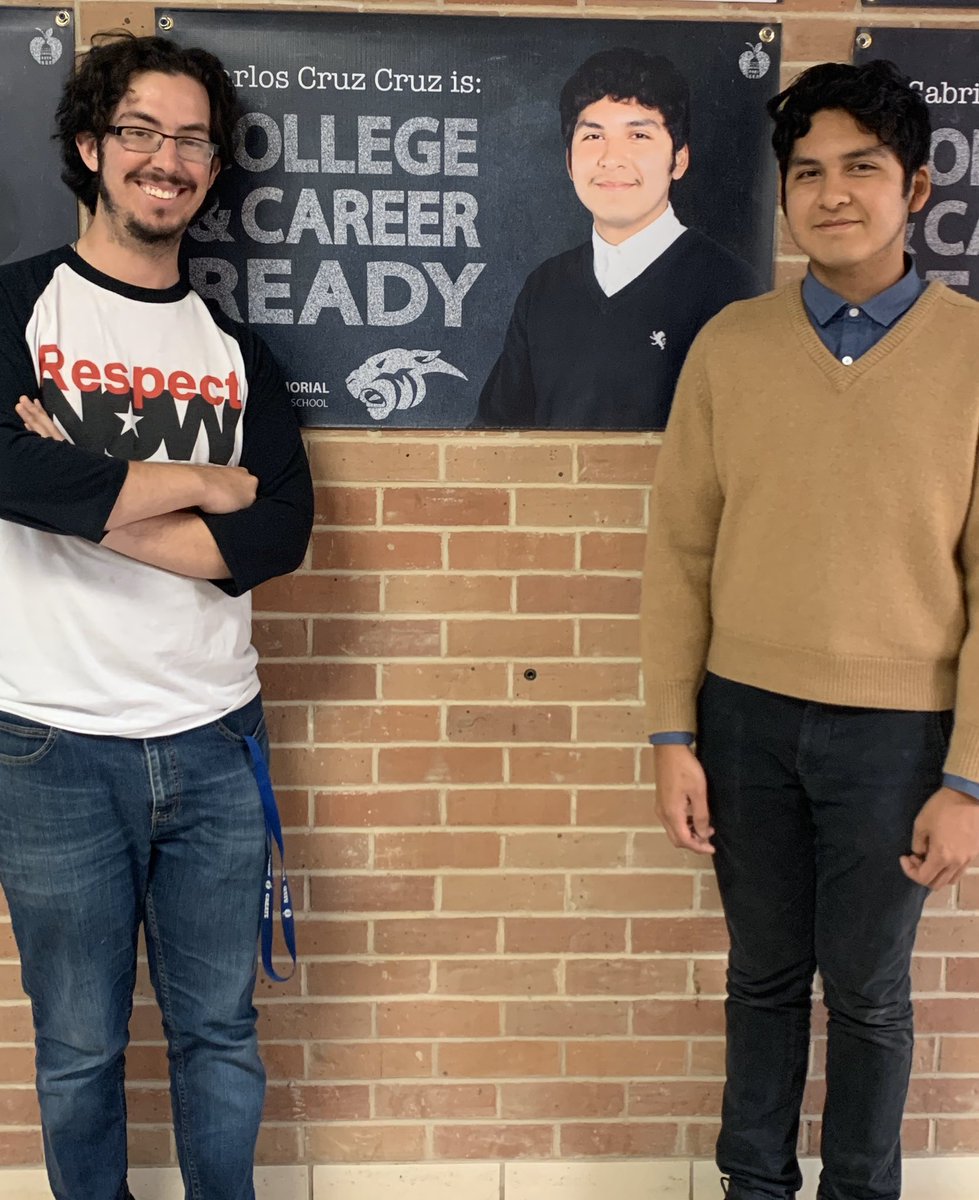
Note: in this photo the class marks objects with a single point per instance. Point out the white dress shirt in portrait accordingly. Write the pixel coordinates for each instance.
(615, 266)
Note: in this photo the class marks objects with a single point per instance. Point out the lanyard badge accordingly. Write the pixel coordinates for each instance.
(273, 839)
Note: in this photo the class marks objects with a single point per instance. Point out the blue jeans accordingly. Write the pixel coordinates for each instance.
(98, 835)
(813, 804)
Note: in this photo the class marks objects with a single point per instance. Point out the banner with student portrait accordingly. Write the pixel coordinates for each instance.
(37, 49)
(398, 177)
(944, 236)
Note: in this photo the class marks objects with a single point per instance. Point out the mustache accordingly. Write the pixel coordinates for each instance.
(161, 180)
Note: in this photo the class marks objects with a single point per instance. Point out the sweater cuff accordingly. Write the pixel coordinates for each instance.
(671, 706)
(963, 751)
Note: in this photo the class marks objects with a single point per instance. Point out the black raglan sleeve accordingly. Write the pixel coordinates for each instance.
(56, 487)
(508, 399)
(271, 536)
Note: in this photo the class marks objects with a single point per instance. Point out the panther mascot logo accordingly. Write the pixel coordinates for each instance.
(395, 379)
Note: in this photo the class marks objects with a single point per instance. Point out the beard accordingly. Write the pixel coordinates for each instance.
(158, 237)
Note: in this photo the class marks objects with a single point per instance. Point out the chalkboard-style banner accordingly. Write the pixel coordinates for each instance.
(944, 237)
(37, 48)
(402, 175)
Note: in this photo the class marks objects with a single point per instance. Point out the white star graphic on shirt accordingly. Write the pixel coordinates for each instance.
(129, 420)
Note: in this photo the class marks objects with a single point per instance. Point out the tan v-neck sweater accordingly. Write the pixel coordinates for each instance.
(814, 528)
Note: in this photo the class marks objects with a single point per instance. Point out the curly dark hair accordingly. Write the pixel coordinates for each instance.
(628, 74)
(878, 97)
(100, 81)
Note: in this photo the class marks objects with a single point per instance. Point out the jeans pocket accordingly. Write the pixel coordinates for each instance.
(247, 721)
(23, 742)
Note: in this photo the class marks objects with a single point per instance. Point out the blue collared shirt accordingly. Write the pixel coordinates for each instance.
(849, 331)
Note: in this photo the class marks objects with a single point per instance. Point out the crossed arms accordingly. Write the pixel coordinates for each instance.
(235, 526)
(151, 518)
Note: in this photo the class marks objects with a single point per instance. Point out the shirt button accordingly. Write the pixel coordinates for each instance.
(854, 312)
(846, 360)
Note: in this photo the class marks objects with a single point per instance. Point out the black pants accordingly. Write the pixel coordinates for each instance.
(813, 805)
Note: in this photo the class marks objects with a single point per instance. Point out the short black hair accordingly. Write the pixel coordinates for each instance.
(628, 74)
(876, 94)
(100, 80)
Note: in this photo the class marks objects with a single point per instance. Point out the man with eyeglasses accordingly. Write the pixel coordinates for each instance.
(151, 474)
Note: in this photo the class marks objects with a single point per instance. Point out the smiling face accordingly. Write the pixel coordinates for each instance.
(847, 205)
(150, 199)
(622, 164)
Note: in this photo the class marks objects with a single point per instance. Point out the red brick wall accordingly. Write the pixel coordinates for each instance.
(501, 954)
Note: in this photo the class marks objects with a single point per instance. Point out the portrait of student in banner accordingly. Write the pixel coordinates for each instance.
(599, 333)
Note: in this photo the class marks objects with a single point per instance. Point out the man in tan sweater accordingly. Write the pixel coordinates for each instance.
(811, 621)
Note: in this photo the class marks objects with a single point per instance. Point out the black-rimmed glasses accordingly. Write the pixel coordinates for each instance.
(148, 141)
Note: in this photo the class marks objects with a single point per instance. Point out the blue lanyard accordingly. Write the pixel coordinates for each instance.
(273, 834)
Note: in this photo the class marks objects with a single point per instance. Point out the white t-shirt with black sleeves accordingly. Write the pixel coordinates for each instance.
(91, 641)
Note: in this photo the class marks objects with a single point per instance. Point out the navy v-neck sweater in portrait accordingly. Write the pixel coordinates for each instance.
(575, 358)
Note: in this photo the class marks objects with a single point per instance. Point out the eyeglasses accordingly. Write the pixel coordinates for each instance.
(148, 141)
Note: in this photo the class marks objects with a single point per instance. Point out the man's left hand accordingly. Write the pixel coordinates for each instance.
(946, 840)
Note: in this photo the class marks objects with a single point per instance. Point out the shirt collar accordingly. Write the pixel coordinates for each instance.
(643, 247)
(884, 308)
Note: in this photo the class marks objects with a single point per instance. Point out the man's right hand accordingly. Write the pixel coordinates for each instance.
(681, 798)
(226, 489)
